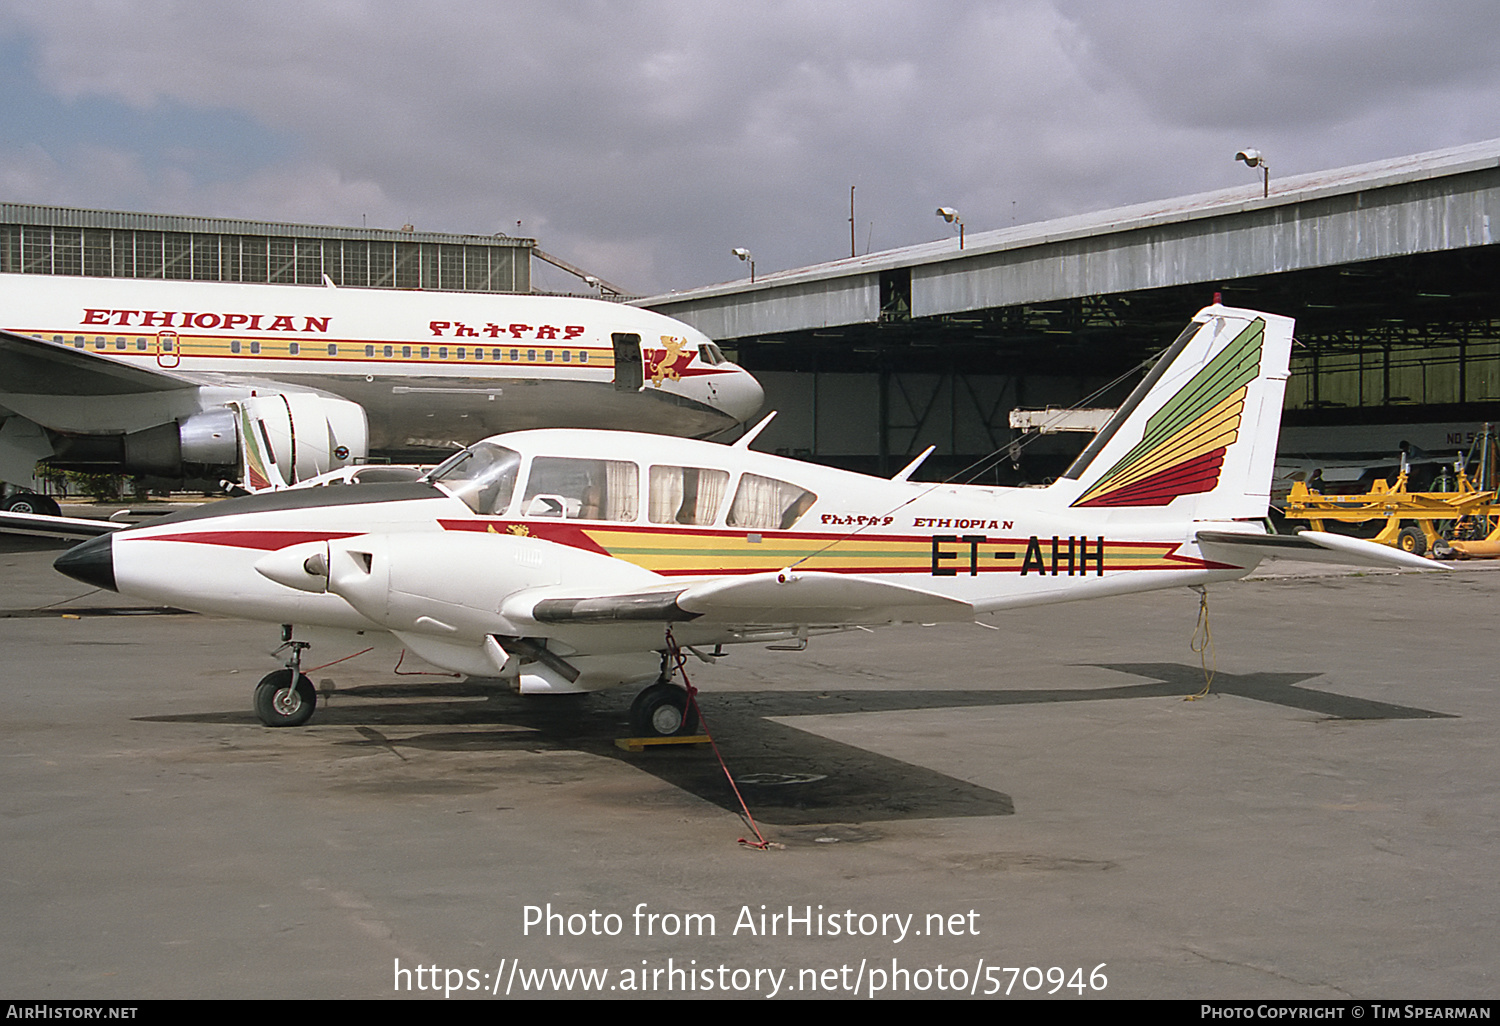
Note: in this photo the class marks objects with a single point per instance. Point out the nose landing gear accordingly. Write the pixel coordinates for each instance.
(286, 698)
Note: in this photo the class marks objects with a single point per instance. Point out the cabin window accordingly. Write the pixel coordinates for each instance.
(582, 489)
(333, 349)
(765, 504)
(686, 495)
(370, 351)
(293, 348)
(483, 476)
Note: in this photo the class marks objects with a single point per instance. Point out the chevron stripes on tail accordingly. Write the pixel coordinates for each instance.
(1199, 433)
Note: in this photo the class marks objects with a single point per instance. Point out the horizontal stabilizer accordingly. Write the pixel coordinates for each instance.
(1308, 547)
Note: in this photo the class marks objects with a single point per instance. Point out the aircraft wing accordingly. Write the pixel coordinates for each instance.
(43, 526)
(783, 598)
(1308, 547)
(34, 366)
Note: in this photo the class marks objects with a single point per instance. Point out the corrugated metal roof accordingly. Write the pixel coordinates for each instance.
(74, 217)
(1288, 191)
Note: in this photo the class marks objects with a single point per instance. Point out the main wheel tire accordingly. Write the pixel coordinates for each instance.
(30, 502)
(1411, 539)
(279, 704)
(663, 710)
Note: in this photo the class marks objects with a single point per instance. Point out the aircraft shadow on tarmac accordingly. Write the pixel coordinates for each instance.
(789, 777)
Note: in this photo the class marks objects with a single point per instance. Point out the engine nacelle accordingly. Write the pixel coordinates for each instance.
(274, 439)
(289, 437)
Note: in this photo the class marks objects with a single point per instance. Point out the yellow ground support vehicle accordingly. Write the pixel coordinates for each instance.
(1416, 522)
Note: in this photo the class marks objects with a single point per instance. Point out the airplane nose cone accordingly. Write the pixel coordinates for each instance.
(746, 397)
(93, 562)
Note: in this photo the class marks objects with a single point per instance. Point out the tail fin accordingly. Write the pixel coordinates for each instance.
(1197, 438)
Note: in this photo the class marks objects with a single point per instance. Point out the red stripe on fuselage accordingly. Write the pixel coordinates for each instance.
(268, 541)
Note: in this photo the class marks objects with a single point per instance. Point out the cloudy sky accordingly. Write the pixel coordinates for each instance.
(645, 140)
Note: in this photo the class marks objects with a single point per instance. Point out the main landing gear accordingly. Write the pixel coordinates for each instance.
(663, 710)
(286, 698)
(31, 502)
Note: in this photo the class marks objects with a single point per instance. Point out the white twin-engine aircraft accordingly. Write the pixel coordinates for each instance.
(569, 561)
(281, 383)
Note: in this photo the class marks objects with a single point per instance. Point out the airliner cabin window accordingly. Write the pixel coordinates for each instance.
(483, 476)
(581, 489)
(765, 504)
(686, 495)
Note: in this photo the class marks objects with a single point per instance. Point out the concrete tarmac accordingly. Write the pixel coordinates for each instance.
(1322, 825)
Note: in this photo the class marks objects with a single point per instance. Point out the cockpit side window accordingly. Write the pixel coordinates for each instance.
(582, 489)
(483, 476)
(686, 495)
(765, 504)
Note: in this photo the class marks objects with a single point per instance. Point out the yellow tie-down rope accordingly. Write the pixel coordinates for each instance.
(1203, 643)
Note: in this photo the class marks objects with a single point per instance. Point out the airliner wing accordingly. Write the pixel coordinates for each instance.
(34, 366)
(1308, 547)
(774, 599)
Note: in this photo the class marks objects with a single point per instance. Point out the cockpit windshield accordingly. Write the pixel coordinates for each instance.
(483, 476)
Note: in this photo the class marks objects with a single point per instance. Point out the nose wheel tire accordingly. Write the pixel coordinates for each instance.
(280, 704)
(663, 710)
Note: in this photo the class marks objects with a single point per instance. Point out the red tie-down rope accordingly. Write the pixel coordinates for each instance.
(679, 663)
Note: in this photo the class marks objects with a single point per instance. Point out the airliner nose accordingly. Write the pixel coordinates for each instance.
(93, 562)
(744, 398)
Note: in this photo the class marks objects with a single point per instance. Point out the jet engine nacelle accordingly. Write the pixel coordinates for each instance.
(275, 439)
(289, 437)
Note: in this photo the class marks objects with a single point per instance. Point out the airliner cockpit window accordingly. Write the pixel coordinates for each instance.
(483, 475)
(582, 489)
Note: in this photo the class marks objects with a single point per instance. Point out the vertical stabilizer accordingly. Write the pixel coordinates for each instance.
(1197, 438)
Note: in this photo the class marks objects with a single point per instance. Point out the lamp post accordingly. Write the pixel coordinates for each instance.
(745, 255)
(1253, 159)
(951, 216)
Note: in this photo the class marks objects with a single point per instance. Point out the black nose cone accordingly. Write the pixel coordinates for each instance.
(93, 562)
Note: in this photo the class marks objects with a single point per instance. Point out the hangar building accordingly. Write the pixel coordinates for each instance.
(1390, 269)
(110, 244)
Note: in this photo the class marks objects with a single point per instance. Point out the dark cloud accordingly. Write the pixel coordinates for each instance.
(644, 140)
